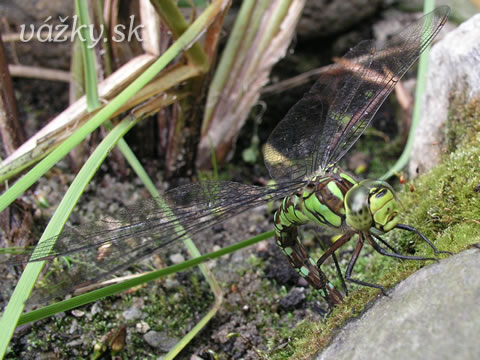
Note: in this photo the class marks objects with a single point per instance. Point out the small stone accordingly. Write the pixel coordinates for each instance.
(132, 313)
(73, 326)
(78, 313)
(60, 315)
(217, 228)
(293, 299)
(171, 283)
(96, 308)
(142, 327)
(159, 340)
(177, 258)
(73, 343)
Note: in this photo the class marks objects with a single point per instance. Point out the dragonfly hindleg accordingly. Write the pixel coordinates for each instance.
(339, 272)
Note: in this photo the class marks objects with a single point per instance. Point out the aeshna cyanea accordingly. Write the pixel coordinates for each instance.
(301, 154)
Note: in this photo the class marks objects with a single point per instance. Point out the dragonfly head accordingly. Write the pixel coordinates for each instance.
(371, 203)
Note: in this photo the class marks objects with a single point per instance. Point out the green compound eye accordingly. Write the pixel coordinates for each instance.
(358, 215)
(371, 203)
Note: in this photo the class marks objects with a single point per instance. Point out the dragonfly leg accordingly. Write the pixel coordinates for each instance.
(339, 272)
(386, 244)
(396, 255)
(424, 238)
(351, 265)
(331, 251)
(291, 245)
(337, 244)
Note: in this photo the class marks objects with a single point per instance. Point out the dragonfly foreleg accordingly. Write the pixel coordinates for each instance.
(424, 238)
(386, 244)
(396, 255)
(351, 265)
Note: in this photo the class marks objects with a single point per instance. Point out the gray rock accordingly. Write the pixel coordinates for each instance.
(434, 314)
(461, 9)
(293, 299)
(159, 340)
(321, 18)
(454, 68)
(132, 313)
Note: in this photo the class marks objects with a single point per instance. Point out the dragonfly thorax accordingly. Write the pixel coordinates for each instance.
(371, 203)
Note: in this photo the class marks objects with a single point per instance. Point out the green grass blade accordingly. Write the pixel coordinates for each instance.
(214, 286)
(27, 281)
(184, 41)
(117, 288)
(88, 54)
(402, 161)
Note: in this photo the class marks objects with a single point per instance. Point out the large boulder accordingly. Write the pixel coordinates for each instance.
(454, 71)
(433, 314)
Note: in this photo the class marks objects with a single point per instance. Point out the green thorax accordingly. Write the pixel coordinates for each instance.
(321, 201)
(337, 200)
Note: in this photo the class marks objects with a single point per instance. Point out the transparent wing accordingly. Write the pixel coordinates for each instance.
(321, 128)
(391, 60)
(293, 147)
(106, 246)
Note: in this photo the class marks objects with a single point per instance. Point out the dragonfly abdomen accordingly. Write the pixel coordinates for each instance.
(291, 245)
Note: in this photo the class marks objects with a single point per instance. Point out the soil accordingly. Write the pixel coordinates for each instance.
(262, 293)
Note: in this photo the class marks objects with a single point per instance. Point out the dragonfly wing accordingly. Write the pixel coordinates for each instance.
(366, 90)
(291, 149)
(106, 246)
(330, 118)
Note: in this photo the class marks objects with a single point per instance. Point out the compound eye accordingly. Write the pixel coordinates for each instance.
(357, 199)
(357, 208)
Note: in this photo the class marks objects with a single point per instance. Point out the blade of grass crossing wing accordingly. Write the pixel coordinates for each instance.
(216, 290)
(43, 166)
(83, 299)
(402, 161)
(25, 285)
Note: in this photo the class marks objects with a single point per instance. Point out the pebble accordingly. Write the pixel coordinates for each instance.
(177, 258)
(142, 327)
(159, 340)
(132, 313)
(293, 299)
(78, 313)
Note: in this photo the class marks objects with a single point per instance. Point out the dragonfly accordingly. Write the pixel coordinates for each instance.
(301, 154)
